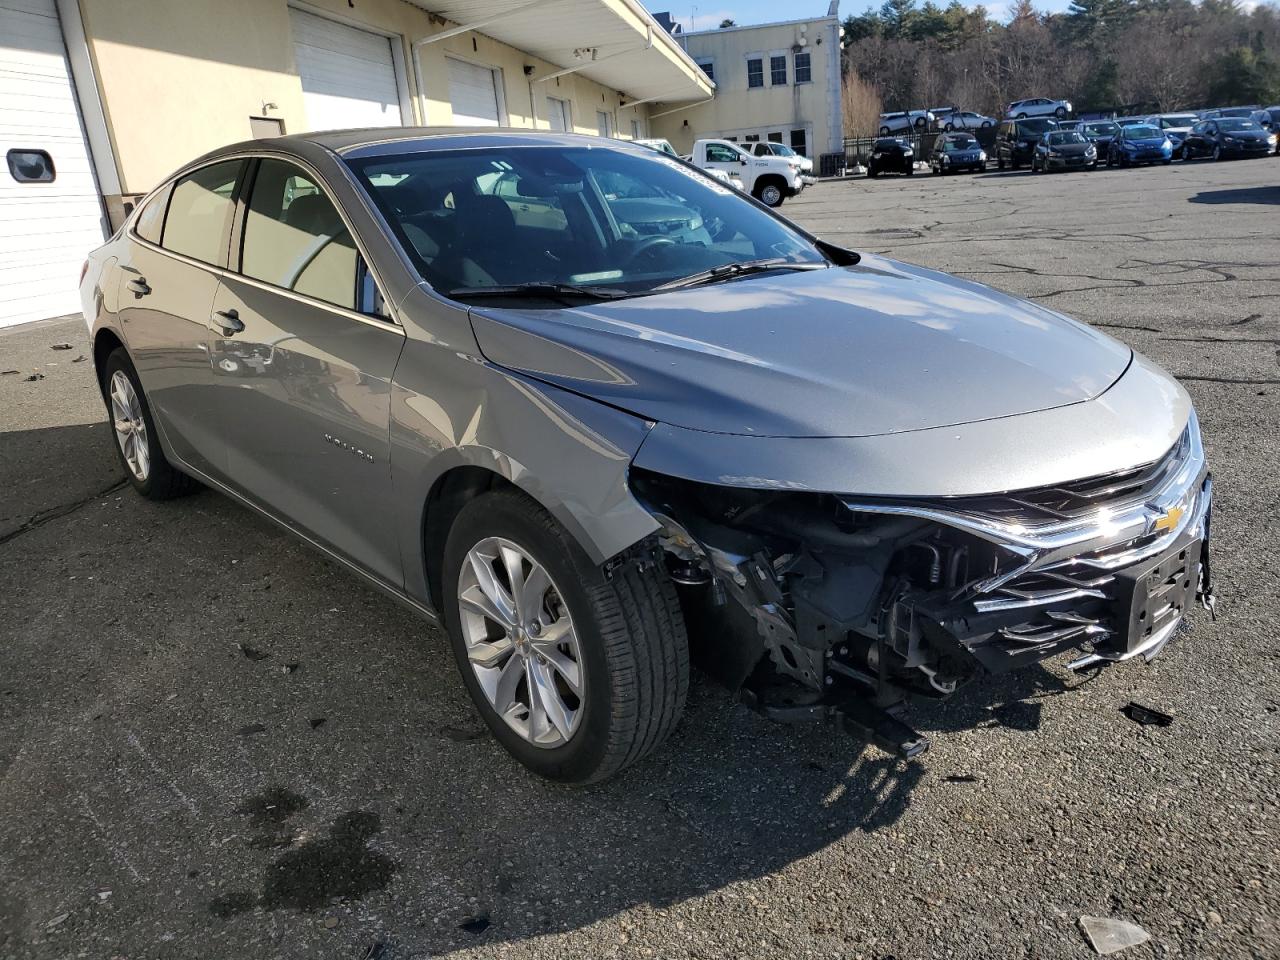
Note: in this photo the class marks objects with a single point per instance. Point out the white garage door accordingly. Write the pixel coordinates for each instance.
(348, 75)
(473, 91)
(46, 227)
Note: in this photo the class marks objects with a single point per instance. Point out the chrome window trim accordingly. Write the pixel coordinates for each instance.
(391, 324)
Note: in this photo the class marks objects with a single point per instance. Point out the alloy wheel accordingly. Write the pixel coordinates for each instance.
(521, 642)
(130, 426)
(771, 196)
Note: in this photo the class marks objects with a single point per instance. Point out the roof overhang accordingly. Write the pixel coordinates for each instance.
(616, 43)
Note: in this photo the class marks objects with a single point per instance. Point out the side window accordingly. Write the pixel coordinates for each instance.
(755, 72)
(150, 222)
(295, 239)
(718, 153)
(200, 212)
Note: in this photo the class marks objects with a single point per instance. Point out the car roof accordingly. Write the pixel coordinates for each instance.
(384, 141)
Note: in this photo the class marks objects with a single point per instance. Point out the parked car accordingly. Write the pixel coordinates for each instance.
(771, 180)
(891, 155)
(659, 144)
(1244, 113)
(1038, 107)
(1064, 150)
(1226, 138)
(770, 148)
(1016, 140)
(949, 118)
(1175, 125)
(1100, 133)
(905, 121)
(1274, 114)
(562, 443)
(953, 152)
(1139, 143)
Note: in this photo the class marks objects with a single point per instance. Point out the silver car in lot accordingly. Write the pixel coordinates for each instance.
(1038, 107)
(595, 413)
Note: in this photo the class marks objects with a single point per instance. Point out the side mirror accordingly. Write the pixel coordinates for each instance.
(743, 161)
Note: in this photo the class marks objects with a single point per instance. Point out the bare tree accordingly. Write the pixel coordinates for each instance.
(860, 106)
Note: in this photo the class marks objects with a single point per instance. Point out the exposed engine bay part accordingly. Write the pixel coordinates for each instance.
(816, 606)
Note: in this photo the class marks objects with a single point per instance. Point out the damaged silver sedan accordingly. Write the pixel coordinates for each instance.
(599, 415)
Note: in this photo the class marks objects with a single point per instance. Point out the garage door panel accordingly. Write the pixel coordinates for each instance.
(348, 75)
(473, 94)
(46, 229)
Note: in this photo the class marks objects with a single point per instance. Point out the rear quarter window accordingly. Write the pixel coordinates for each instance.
(150, 223)
(200, 212)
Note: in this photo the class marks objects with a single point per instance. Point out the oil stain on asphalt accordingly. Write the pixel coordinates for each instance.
(311, 876)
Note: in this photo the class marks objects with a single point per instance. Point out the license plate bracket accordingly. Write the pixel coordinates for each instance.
(1155, 596)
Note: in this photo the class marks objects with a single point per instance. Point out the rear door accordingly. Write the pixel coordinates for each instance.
(303, 357)
(168, 278)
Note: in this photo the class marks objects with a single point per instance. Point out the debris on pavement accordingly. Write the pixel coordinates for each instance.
(377, 950)
(960, 778)
(1147, 716)
(317, 722)
(5, 373)
(34, 377)
(80, 359)
(460, 735)
(61, 346)
(56, 921)
(330, 922)
(1107, 935)
(290, 667)
(251, 653)
(250, 729)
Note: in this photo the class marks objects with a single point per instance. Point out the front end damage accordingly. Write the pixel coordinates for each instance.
(832, 606)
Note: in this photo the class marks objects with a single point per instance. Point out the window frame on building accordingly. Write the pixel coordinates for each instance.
(778, 62)
(808, 67)
(758, 60)
(708, 66)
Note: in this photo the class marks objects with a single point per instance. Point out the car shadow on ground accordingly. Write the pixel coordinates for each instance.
(1265, 195)
(337, 755)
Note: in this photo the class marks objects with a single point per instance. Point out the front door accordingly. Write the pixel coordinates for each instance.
(303, 366)
(168, 279)
(726, 158)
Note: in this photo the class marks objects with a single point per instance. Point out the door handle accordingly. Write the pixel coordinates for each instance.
(228, 321)
(139, 286)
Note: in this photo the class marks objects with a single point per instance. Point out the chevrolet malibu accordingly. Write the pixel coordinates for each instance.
(474, 370)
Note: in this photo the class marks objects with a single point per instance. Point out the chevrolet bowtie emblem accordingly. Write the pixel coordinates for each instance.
(1168, 520)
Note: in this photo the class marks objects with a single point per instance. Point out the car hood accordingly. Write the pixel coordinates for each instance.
(1147, 141)
(877, 348)
(1072, 149)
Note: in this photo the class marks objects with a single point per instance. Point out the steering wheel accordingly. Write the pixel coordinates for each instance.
(647, 244)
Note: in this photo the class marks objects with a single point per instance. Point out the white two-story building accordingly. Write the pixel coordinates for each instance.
(774, 81)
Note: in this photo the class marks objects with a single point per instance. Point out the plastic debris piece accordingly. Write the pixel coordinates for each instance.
(1147, 716)
(56, 921)
(5, 373)
(251, 654)
(317, 722)
(290, 667)
(960, 778)
(80, 359)
(251, 729)
(377, 950)
(1107, 935)
(60, 346)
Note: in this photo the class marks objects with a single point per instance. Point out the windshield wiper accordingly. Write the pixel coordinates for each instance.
(730, 271)
(551, 290)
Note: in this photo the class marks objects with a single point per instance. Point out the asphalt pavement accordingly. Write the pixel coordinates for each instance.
(214, 743)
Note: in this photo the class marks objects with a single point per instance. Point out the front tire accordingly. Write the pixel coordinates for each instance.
(137, 439)
(1217, 152)
(578, 674)
(770, 194)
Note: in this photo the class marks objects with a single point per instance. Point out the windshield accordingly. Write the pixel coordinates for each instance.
(1034, 128)
(1101, 129)
(1064, 137)
(1183, 121)
(1143, 131)
(781, 150)
(1232, 124)
(959, 144)
(582, 216)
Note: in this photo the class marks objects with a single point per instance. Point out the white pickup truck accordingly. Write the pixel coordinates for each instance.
(769, 179)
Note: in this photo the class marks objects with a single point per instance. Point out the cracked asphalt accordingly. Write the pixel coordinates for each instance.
(215, 744)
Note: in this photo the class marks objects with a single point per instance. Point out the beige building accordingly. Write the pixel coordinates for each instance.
(774, 81)
(100, 99)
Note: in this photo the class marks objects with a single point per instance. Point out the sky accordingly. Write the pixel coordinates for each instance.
(709, 13)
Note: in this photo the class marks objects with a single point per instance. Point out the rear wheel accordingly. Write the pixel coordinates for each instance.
(1060, 112)
(137, 440)
(578, 674)
(1217, 152)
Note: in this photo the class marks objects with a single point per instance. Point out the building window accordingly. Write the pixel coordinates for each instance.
(635, 130)
(709, 68)
(755, 72)
(558, 114)
(798, 143)
(752, 137)
(804, 72)
(30, 166)
(778, 71)
(603, 126)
